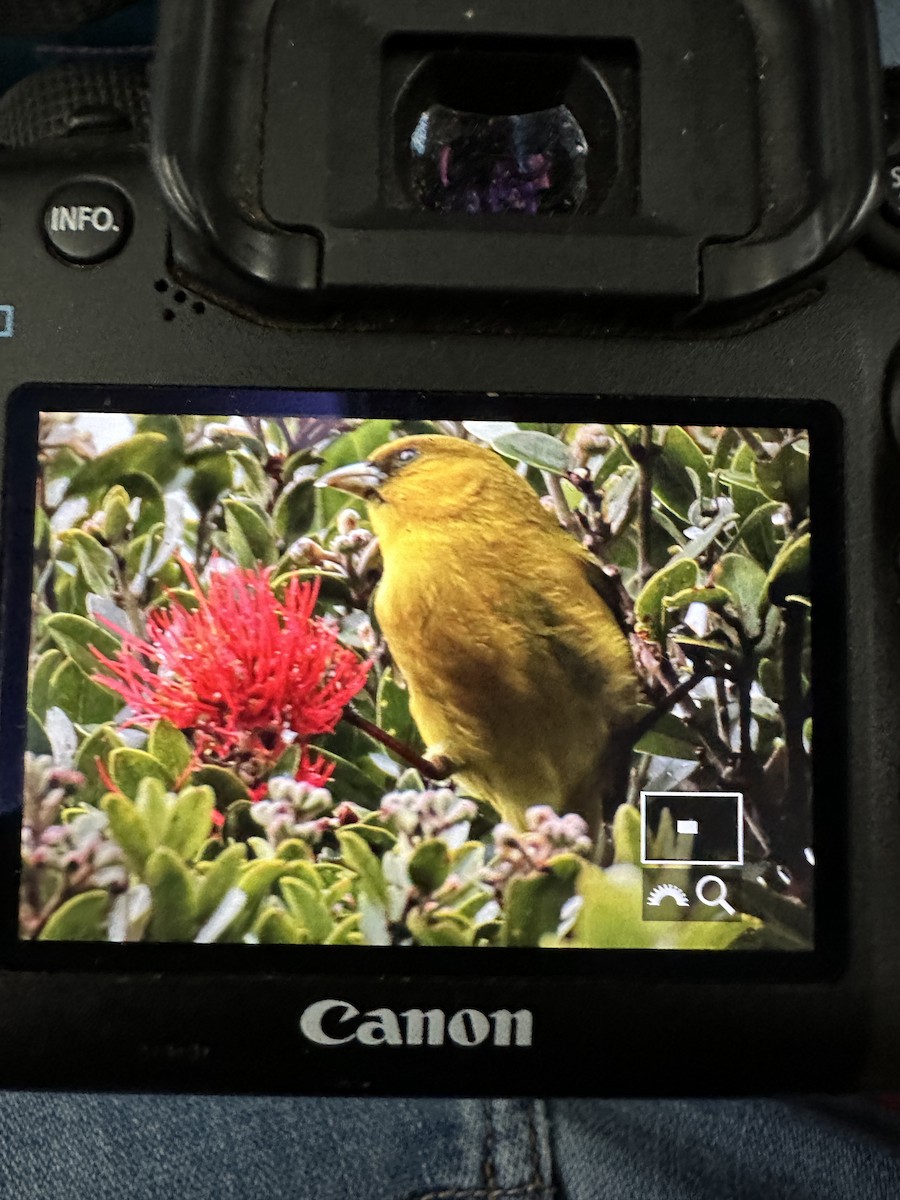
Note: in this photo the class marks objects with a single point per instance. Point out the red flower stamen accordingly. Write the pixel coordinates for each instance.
(244, 671)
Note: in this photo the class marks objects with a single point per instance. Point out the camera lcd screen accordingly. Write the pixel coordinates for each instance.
(399, 670)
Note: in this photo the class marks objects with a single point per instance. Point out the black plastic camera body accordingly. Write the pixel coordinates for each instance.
(665, 210)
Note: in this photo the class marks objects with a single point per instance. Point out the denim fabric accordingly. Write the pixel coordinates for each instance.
(725, 1150)
(99, 1147)
(87, 1147)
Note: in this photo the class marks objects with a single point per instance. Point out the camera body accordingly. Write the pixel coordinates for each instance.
(718, 263)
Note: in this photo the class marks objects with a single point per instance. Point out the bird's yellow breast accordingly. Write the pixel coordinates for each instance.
(517, 671)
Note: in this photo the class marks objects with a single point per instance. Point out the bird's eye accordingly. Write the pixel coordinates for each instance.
(407, 455)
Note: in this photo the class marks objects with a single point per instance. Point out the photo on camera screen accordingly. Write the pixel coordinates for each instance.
(332, 677)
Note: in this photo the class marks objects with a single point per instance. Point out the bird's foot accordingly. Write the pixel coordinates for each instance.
(437, 766)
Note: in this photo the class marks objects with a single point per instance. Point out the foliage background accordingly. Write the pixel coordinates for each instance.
(130, 834)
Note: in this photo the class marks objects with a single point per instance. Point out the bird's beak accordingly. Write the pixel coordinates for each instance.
(359, 479)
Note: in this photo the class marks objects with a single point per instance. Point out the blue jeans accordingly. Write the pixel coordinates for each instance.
(87, 1147)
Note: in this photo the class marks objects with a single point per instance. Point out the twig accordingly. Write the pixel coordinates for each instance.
(721, 709)
(645, 513)
(752, 439)
(646, 723)
(428, 769)
(560, 504)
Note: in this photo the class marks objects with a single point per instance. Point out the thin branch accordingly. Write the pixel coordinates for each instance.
(744, 684)
(564, 514)
(645, 512)
(752, 439)
(646, 723)
(439, 769)
(721, 709)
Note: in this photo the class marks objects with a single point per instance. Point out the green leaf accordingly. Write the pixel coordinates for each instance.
(84, 701)
(219, 880)
(256, 883)
(278, 928)
(75, 635)
(295, 510)
(536, 449)
(255, 483)
(742, 483)
(670, 738)
(533, 904)
(357, 855)
(145, 454)
(129, 767)
(672, 484)
(627, 834)
(440, 929)
(288, 763)
(611, 915)
(212, 475)
(701, 543)
(392, 709)
(357, 444)
(129, 829)
(349, 782)
(166, 424)
(346, 932)
(307, 906)
(39, 692)
(758, 532)
(81, 919)
(152, 508)
(37, 741)
(239, 822)
(712, 597)
(116, 517)
(99, 745)
(745, 582)
(190, 822)
(224, 783)
(95, 562)
(249, 534)
(294, 850)
(786, 479)
(488, 431)
(790, 571)
(42, 534)
(375, 835)
(154, 804)
(429, 865)
(170, 747)
(649, 608)
(174, 903)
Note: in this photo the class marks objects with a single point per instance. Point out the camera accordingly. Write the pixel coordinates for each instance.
(449, 612)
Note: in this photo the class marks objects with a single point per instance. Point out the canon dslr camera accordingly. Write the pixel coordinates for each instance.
(450, 524)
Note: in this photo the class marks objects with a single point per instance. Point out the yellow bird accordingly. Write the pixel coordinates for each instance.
(520, 680)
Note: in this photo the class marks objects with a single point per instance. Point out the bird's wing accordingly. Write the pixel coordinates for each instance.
(605, 587)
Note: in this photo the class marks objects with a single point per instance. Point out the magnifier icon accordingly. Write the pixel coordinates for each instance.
(715, 896)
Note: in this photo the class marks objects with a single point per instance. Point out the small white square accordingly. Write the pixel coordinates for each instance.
(692, 825)
(7, 320)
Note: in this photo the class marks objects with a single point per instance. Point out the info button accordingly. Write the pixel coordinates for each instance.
(87, 221)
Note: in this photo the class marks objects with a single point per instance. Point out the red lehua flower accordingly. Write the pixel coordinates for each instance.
(244, 672)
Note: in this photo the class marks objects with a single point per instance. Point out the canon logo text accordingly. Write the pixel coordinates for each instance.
(338, 1023)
